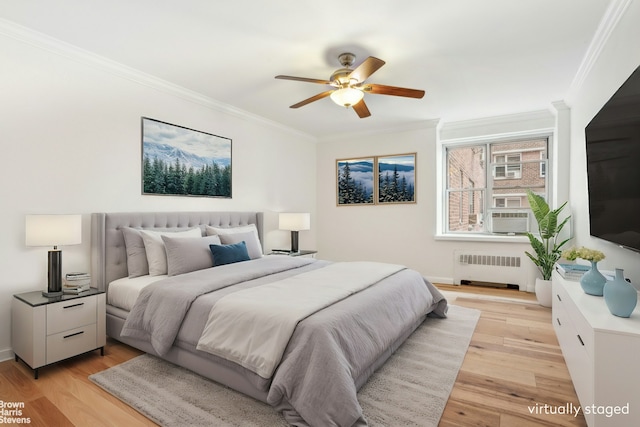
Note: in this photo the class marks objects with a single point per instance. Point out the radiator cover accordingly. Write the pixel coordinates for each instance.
(507, 268)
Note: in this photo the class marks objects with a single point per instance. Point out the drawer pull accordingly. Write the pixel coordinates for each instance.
(74, 305)
(580, 339)
(73, 335)
(559, 299)
(558, 320)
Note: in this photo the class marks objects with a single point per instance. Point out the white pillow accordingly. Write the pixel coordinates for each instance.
(248, 233)
(154, 247)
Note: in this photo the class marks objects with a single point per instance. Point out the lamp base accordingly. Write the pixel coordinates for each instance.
(294, 242)
(54, 286)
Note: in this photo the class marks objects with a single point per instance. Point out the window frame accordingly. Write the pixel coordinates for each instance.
(486, 197)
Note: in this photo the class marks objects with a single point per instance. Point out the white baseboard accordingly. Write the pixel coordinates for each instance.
(6, 354)
(441, 280)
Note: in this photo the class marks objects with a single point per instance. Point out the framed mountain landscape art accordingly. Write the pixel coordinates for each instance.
(396, 178)
(355, 181)
(180, 161)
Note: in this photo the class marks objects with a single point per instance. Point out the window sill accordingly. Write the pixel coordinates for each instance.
(482, 238)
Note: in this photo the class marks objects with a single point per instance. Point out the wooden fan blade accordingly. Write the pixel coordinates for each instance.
(361, 109)
(313, 98)
(392, 90)
(368, 67)
(304, 79)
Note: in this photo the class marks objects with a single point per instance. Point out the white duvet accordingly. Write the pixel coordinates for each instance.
(124, 292)
(252, 327)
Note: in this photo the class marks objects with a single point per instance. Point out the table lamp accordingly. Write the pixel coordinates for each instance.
(53, 230)
(294, 222)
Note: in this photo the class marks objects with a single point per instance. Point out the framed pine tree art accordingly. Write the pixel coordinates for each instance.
(179, 161)
(396, 178)
(376, 180)
(355, 181)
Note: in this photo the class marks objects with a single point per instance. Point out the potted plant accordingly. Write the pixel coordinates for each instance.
(546, 247)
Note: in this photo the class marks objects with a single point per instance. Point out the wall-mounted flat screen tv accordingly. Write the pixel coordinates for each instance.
(613, 167)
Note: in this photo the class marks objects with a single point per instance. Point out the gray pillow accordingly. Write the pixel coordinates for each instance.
(137, 264)
(253, 247)
(154, 247)
(246, 233)
(188, 254)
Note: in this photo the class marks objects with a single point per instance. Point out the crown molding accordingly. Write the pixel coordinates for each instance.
(69, 51)
(612, 16)
(405, 127)
(559, 106)
(526, 116)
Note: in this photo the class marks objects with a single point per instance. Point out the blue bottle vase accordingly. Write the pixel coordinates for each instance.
(592, 282)
(620, 296)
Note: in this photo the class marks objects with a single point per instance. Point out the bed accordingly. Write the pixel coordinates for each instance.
(333, 347)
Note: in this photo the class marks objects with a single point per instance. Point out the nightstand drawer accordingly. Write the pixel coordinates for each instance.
(71, 314)
(70, 343)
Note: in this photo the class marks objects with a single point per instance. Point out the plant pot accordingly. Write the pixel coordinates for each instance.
(543, 292)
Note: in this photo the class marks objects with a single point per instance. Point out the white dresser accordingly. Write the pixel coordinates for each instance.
(602, 352)
(47, 330)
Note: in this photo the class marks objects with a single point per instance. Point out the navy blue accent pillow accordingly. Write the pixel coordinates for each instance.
(228, 254)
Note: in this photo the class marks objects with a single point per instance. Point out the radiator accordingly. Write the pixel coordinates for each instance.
(500, 268)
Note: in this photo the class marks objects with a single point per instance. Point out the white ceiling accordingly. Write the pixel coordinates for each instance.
(474, 58)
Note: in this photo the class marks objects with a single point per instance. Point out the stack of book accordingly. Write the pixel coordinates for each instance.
(572, 271)
(76, 283)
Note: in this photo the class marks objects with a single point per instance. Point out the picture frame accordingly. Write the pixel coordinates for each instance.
(179, 161)
(355, 181)
(396, 178)
(376, 180)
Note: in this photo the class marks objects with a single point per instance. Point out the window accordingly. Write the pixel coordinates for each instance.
(474, 187)
(508, 202)
(507, 166)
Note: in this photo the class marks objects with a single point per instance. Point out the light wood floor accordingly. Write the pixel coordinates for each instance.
(513, 362)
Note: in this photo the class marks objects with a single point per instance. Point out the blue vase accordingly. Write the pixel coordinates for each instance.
(621, 297)
(593, 281)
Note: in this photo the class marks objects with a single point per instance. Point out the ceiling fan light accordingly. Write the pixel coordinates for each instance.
(346, 97)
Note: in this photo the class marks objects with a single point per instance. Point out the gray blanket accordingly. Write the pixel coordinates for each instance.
(331, 353)
(161, 307)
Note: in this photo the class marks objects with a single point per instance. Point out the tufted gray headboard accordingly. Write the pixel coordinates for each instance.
(108, 252)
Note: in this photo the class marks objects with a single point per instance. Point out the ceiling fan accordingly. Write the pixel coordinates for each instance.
(350, 87)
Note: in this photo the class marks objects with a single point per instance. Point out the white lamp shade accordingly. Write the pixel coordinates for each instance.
(294, 221)
(53, 230)
(346, 97)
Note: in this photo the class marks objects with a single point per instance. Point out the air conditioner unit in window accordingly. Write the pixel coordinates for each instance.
(507, 221)
(475, 218)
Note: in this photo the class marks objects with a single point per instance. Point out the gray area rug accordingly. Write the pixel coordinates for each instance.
(411, 388)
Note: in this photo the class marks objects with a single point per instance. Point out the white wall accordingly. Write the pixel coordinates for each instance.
(408, 233)
(400, 233)
(619, 57)
(70, 141)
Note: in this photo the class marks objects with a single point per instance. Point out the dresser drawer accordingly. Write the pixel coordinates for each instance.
(567, 308)
(70, 343)
(71, 314)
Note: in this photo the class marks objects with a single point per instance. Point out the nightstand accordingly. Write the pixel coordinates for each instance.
(48, 330)
(302, 253)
